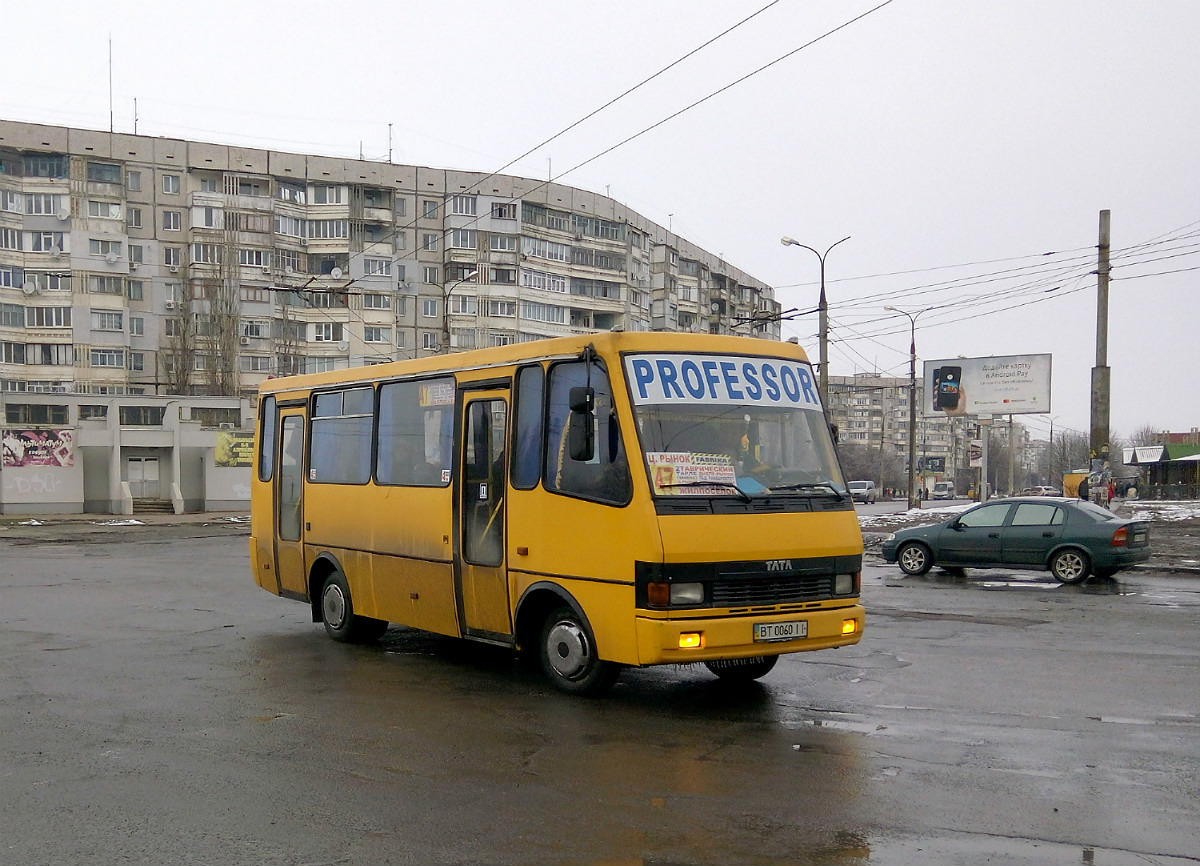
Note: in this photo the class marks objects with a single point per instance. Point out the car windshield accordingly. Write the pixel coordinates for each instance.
(704, 441)
(858, 485)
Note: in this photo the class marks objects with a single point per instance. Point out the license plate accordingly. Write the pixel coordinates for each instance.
(781, 630)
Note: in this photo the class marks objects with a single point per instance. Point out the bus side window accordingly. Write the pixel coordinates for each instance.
(605, 477)
(527, 432)
(415, 432)
(266, 440)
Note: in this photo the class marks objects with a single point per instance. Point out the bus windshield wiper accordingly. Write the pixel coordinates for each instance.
(810, 485)
(725, 485)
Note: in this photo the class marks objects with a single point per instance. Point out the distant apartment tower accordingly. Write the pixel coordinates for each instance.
(139, 265)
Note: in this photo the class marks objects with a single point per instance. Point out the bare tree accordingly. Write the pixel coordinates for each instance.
(177, 352)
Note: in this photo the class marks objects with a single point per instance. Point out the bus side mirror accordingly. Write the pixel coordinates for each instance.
(581, 436)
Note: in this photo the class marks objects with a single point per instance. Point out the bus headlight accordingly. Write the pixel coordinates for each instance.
(843, 584)
(687, 593)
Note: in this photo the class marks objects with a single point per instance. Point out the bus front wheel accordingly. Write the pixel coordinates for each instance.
(742, 670)
(568, 655)
(337, 611)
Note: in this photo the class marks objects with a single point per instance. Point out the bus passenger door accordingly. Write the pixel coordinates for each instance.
(289, 507)
(483, 577)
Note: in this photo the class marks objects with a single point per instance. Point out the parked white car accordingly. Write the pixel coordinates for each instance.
(863, 491)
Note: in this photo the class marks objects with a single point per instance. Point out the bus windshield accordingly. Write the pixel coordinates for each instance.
(732, 426)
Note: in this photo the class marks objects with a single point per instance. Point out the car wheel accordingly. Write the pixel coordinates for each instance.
(742, 670)
(914, 558)
(1070, 566)
(568, 655)
(337, 611)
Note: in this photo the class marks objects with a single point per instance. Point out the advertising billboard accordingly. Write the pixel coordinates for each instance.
(981, 387)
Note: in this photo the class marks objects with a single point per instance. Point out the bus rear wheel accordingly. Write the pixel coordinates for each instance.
(337, 611)
(742, 670)
(568, 654)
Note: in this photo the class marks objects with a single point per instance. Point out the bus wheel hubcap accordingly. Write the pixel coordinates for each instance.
(567, 649)
(334, 606)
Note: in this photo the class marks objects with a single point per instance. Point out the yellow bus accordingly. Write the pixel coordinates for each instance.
(596, 502)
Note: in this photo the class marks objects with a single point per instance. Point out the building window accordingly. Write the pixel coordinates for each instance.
(373, 301)
(206, 254)
(327, 332)
(254, 294)
(463, 205)
(374, 334)
(323, 194)
(377, 267)
(92, 413)
(33, 413)
(108, 358)
(102, 172)
(12, 315)
(429, 308)
(504, 276)
(172, 256)
(289, 260)
(429, 340)
(429, 209)
(142, 416)
(291, 226)
(137, 253)
(249, 187)
(10, 239)
(429, 242)
(11, 201)
(464, 304)
(254, 258)
(431, 275)
(329, 229)
(46, 317)
(463, 239)
(170, 184)
(107, 321)
(43, 203)
(46, 165)
(506, 309)
(99, 285)
(137, 326)
(503, 243)
(291, 192)
(255, 364)
(504, 211)
(133, 217)
(133, 181)
(171, 221)
(50, 242)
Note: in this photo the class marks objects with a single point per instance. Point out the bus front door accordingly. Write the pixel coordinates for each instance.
(289, 508)
(482, 574)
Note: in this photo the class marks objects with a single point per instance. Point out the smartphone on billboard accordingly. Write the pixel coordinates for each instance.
(948, 387)
(937, 382)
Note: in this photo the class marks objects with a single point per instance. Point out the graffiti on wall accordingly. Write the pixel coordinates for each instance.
(38, 448)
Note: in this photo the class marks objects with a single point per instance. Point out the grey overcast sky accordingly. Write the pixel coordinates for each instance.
(965, 147)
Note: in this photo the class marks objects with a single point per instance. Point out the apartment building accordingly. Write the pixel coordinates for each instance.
(156, 266)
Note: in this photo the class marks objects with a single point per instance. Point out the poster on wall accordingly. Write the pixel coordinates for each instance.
(38, 447)
(234, 449)
(981, 387)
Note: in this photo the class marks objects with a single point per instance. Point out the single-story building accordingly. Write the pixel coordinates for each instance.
(113, 454)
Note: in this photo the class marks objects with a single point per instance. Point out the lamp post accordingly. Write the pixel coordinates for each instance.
(822, 314)
(446, 307)
(913, 500)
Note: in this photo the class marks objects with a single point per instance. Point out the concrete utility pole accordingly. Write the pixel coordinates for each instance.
(1101, 377)
(914, 501)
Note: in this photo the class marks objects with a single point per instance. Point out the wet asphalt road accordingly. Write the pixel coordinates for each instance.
(156, 707)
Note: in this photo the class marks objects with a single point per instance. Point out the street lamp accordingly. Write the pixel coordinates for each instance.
(446, 306)
(913, 500)
(822, 314)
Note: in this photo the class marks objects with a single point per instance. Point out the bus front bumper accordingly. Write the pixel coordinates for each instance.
(679, 641)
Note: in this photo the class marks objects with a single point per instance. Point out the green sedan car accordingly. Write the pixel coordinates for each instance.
(1071, 538)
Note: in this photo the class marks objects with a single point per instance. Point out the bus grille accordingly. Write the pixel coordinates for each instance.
(771, 590)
